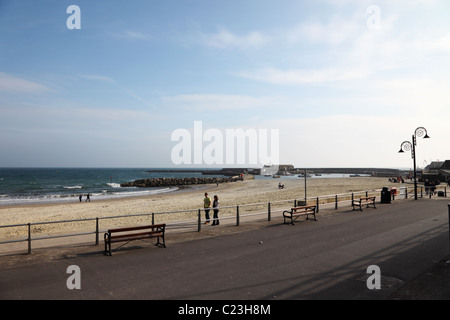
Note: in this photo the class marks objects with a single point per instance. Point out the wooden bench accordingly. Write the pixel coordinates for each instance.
(363, 201)
(296, 212)
(127, 234)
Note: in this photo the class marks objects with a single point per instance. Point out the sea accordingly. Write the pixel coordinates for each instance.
(56, 185)
(51, 185)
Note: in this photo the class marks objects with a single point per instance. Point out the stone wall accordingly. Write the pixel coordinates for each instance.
(162, 182)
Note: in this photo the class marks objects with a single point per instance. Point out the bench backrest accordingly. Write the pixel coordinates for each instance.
(154, 226)
(303, 208)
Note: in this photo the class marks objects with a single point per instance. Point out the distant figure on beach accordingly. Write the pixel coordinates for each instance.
(280, 186)
(216, 211)
(80, 197)
(207, 206)
(88, 198)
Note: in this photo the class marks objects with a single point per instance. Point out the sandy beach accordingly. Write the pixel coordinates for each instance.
(230, 194)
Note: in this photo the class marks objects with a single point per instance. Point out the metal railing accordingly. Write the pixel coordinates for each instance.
(228, 212)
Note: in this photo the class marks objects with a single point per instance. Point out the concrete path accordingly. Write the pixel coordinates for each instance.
(324, 259)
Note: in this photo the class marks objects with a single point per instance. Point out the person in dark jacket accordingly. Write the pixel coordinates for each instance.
(215, 207)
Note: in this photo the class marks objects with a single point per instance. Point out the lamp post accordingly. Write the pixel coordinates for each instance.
(407, 146)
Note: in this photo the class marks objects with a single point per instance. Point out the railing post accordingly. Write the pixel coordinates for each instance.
(199, 220)
(268, 212)
(96, 231)
(317, 205)
(237, 215)
(29, 238)
(336, 205)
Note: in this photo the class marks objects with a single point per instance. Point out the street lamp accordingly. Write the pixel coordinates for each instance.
(407, 146)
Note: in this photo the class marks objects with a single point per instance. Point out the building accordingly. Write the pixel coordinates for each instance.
(437, 170)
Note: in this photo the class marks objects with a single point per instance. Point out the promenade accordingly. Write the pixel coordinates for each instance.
(260, 260)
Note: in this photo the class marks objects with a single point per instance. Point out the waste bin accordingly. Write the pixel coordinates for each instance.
(385, 195)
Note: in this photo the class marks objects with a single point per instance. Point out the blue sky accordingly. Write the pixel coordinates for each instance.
(344, 81)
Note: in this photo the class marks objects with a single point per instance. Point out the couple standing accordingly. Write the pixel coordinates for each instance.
(207, 207)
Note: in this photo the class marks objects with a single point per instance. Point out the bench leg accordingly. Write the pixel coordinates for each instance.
(107, 244)
(314, 214)
(159, 244)
(291, 217)
(284, 217)
(108, 248)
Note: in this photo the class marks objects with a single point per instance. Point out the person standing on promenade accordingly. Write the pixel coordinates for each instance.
(216, 211)
(207, 206)
(427, 186)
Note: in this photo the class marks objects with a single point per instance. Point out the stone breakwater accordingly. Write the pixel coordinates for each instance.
(162, 182)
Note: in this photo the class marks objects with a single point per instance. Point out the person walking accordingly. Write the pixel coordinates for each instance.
(216, 211)
(207, 206)
(88, 198)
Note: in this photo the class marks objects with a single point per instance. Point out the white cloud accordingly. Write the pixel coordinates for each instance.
(131, 35)
(96, 77)
(13, 84)
(225, 39)
(304, 76)
(336, 31)
(342, 50)
(211, 102)
(136, 35)
(75, 120)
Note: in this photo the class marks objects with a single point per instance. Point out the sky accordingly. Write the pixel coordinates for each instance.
(342, 83)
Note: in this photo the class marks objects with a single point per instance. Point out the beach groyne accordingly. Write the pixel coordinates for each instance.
(166, 182)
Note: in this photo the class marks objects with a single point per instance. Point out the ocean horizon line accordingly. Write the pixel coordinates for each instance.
(194, 167)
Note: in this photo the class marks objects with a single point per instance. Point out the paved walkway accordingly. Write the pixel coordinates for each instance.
(328, 259)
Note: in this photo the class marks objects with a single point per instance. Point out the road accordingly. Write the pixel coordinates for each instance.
(324, 259)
